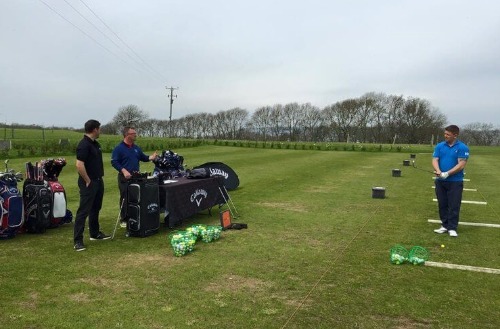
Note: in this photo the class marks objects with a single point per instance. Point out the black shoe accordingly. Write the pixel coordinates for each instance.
(100, 236)
(79, 246)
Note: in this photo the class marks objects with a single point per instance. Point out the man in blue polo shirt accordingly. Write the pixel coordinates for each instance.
(449, 160)
(125, 159)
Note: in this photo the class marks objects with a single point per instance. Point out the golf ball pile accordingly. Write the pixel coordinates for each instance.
(416, 261)
(182, 242)
(196, 229)
(211, 233)
(397, 259)
(416, 256)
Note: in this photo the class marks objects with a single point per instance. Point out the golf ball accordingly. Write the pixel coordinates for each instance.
(442, 246)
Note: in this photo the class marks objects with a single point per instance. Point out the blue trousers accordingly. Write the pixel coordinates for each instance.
(449, 196)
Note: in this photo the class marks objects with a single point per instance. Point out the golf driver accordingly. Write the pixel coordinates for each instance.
(415, 166)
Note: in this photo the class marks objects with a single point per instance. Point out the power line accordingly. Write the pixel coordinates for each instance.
(97, 42)
(106, 36)
(82, 31)
(118, 37)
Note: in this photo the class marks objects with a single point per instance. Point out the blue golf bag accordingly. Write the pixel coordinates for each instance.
(11, 205)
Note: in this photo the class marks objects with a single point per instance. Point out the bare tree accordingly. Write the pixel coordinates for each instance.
(478, 133)
(163, 128)
(150, 128)
(379, 116)
(342, 117)
(366, 110)
(276, 121)
(130, 115)
(292, 117)
(311, 121)
(236, 119)
(220, 125)
(394, 108)
(205, 121)
(261, 121)
(416, 116)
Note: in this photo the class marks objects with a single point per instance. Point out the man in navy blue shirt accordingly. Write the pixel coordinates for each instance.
(90, 171)
(449, 160)
(125, 159)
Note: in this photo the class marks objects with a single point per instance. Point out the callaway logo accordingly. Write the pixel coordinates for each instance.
(218, 172)
(198, 196)
(152, 208)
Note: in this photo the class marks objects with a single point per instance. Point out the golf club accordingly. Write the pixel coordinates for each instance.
(415, 166)
(117, 219)
(233, 214)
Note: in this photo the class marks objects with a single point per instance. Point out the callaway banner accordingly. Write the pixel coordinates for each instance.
(231, 180)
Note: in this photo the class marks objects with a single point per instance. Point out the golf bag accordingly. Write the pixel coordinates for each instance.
(59, 214)
(52, 168)
(48, 171)
(143, 207)
(11, 208)
(169, 165)
(37, 205)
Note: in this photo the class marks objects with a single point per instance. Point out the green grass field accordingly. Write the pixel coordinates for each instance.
(315, 254)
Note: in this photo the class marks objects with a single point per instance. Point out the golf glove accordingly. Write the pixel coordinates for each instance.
(444, 175)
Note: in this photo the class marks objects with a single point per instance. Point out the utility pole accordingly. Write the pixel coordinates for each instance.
(171, 102)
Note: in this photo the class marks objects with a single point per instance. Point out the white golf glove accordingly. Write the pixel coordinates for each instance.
(444, 175)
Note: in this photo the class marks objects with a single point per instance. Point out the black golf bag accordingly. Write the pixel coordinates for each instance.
(37, 206)
(143, 207)
(47, 173)
(11, 206)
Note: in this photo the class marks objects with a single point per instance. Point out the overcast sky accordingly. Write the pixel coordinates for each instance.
(58, 69)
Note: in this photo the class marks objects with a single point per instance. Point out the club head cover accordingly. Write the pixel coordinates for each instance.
(238, 226)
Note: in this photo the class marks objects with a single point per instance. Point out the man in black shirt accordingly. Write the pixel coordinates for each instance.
(91, 170)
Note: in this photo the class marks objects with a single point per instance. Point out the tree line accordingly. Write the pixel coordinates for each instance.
(371, 118)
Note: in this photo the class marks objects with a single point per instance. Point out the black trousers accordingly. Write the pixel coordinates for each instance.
(449, 195)
(90, 205)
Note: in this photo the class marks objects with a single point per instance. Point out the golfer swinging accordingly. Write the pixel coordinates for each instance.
(449, 160)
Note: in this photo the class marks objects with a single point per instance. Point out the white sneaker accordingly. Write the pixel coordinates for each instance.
(453, 233)
(442, 230)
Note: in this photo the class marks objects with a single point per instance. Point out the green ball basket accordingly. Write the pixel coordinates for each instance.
(418, 255)
(182, 242)
(399, 255)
